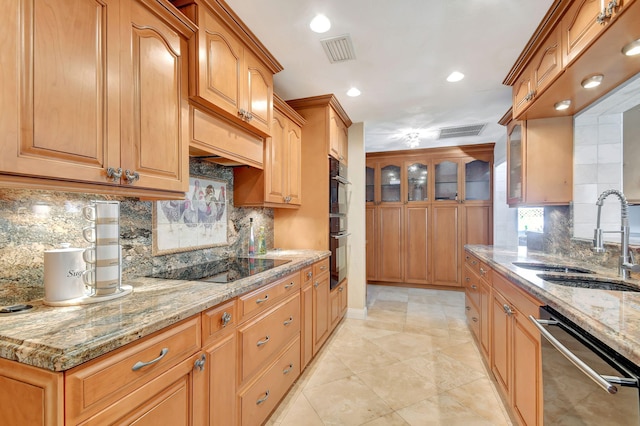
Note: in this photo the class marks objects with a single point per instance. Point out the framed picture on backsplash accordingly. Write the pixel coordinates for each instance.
(197, 221)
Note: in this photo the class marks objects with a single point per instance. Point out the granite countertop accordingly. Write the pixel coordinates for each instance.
(611, 316)
(59, 338)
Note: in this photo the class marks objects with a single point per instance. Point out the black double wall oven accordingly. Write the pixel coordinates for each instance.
(338, 221)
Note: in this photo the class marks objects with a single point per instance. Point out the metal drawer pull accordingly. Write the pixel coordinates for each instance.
(341, 288)
(474, 319)
(309, 275)
(226, 319)
(288, 369)
(138, 365)
(507, 309)
(263, 342)
(200, 362)
(473, 286)
(468, 308)
(467, 279)
(264, 398)
(289, 321)
(266, 297)
(288, 286)
(581, 365)
(482, 271)
(316, 284)
(323, 267)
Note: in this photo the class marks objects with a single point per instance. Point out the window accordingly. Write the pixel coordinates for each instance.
(529, 219)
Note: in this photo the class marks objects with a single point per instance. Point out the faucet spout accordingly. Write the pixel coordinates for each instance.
(625, 262)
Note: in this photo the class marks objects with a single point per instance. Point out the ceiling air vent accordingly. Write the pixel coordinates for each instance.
(338, 49)
(461, 131)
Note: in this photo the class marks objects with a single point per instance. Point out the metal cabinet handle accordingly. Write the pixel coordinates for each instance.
(474, 262)
(263, 342)
(474, 319)
(289, 321)
(138, 365)
(288, 369)
(199, 364)
(242, 113)
(309, 275)
(114, 174)
(341, 288)
(474, 287)
(288, 286)
(226, 319)
(316, 284)
(468, 308)
(482, 271)
(507, 309)
(131, 177)
(264, 398)
(467, 279)
(581, 365)
(264, 299)
(323, 267)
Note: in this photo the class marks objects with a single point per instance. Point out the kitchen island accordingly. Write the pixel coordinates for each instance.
(611, 316)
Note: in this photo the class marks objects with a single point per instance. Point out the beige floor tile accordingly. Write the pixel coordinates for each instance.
(346, 402)
(398, 294)
(363, 355)
(398, 385)
(488, 407)
(466, 353)
(363, 330)
(301, 413)
(441, 410)
(327, 369)
(443, 371)
(407, 345)
(389, 305)
(389, 420)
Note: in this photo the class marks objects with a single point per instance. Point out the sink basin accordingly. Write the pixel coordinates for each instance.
(550, 267)
(588, 282)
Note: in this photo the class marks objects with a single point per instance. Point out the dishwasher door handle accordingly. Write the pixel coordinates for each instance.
(580, 364)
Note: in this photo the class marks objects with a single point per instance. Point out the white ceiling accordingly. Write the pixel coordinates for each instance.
(404, 51)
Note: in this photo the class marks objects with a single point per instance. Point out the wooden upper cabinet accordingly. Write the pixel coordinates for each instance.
(580, 27)
(226, 76)
(109, 93)
(279, 184)
(155, 113)
(540, 162)
(339, 137)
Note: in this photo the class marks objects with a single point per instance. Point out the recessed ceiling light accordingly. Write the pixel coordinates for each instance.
(562, 105)
(320, 24)
(632, 49)
(455, 76)
(593, 81)
(353, 92)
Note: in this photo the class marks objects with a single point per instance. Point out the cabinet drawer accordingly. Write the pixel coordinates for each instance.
(115, 375)
(523, 302)
(259, 400)
(320, 267)
(266, 335)
(472, 285)
(266, 297)
(218, 319)
(472, 262)
(473, 317)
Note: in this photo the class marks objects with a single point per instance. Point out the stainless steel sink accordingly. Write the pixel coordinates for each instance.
(589, 282)
(550, 267)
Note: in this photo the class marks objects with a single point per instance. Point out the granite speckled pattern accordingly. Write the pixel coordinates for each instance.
(59, 338)
(611, 316)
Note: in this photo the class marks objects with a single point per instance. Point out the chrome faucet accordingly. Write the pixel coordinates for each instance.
(626, 262)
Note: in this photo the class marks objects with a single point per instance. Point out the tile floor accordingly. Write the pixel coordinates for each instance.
(411, 362)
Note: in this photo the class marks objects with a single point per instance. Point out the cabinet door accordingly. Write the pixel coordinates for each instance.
(220, 60)
(446, 180)
(477, 181)
(155, 109)
(59, 89)
(221, 368)
(306, 346)
(515, 162)
(338, 137)
(501, 343)
(580, 27)
(390, 182)
(522, 92)
(485, 320)
(294, 163)
(370, 184)
(478, 225)
(275, 160)
(391, 252)
(320, 311)
(547, 64)
(372, 242)
(258, 93)
(445, 239)
(416, 245)
(526, 370)
(417, 181)
(335, 307)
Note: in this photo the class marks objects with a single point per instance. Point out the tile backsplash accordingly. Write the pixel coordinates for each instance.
(33, 221)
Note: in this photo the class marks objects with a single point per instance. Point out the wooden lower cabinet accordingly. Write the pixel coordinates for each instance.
(445, 231)
(390, 228)
(321, 313)
(221, 386)
(515, 351)
(338, 303)
(306, 315)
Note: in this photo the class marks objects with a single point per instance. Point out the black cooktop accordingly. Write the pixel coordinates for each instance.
(221, 271)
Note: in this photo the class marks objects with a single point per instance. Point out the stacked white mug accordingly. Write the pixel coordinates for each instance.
(104, 256)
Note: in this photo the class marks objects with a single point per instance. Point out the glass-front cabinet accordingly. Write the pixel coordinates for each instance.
(370, 183)
(477, 180)
(390, 183)
(515, 172)
(416, 175)
(446, 180)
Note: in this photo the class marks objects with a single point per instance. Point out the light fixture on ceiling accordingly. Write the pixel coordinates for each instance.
(632, 49)
(455, 76)
(353, 92)
(562, 105)
(320, 24)
(592, 81)
(412, 139)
